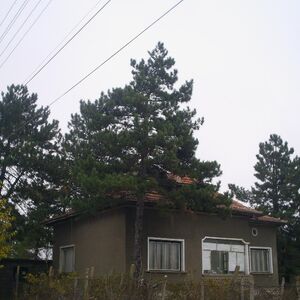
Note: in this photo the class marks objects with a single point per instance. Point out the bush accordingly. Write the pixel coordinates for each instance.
(116, 286)
(124, 287)
(42, 286)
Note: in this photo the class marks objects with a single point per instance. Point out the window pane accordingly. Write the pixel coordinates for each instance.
(232, 261)
(67, 259)
(225, 262)
(165, 258)
(260, 260)
(223, 241)
(214, 260)
(223, 247)
(175, 256)
(241, 261)
(219, 262)
(164, 255)
(206, 261)
(223, 256)
(209, 246)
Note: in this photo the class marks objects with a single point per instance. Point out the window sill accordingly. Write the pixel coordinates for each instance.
(166, 272)
(224, 275)
(261, 273)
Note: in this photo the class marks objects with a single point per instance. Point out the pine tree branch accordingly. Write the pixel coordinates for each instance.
(2, 177)
(13, 185)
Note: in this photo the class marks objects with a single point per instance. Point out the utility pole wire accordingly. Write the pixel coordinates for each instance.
(69, 40)
(22, 25)
(24, 35)
(64, 39)
(109, 58)
(9, 26)
(11, 7)
(115, 53)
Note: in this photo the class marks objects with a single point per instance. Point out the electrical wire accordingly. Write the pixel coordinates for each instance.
(68, 41)
(115, 53)
(5, 17)
(22, 25)
(13, 21)
(108, 59)
(24, 35)
(63, 40)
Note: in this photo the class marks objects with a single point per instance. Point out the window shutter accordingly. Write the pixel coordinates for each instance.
(214, 259)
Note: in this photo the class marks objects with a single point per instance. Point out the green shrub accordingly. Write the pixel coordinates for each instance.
(44, 287)
(124, 287)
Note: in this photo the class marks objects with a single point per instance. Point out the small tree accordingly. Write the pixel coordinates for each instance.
(6, 232)
(119, 142)
(276, 192)
(273, 170)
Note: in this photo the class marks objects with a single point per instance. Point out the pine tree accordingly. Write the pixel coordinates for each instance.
(276, 193)
(119, 142)
(6, 232)
(273, 168)
(29, 157)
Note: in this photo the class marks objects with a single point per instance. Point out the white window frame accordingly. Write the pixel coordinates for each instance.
(270, 258)
(247, 262)
(182, 257)
(60, 256)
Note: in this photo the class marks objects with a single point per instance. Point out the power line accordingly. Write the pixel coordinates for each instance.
(68, 41)
(105, 61)
(11, 7)
(22, 25)
(64, 39)
(9, 26)
(24, 35)
(115, 53)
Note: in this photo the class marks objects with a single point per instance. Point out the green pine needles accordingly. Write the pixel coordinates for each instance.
(116, 140)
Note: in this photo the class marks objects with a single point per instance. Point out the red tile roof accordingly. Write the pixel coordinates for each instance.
(236, 206)
(180, 180)
(239, 207)
(153, 197)
(271, 219)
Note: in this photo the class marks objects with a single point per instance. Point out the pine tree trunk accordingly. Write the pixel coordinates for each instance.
(36, 253)
(138, 237)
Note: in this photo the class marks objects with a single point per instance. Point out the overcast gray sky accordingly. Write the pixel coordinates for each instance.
(242, 54)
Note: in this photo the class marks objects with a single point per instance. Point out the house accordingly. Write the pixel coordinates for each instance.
(175, 242)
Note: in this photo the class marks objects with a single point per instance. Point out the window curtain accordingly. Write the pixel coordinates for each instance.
(260, 260)
(164, 255)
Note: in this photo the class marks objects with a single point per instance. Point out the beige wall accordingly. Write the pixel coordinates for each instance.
(106, 241)
(193, 228)
(99, 242)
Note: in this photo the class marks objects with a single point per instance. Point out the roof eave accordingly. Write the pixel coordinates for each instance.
(270, 222)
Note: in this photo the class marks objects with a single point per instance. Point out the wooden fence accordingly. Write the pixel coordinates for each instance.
(124, 287)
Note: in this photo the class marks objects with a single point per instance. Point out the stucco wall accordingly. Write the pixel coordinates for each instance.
(99, 242)
(193, 228)
(106, 241)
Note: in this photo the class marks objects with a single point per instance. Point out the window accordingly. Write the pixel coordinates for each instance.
(261, 260)
(254, 231)
(222, 256)
(67, 259)
(219, 261)
(165, 254)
